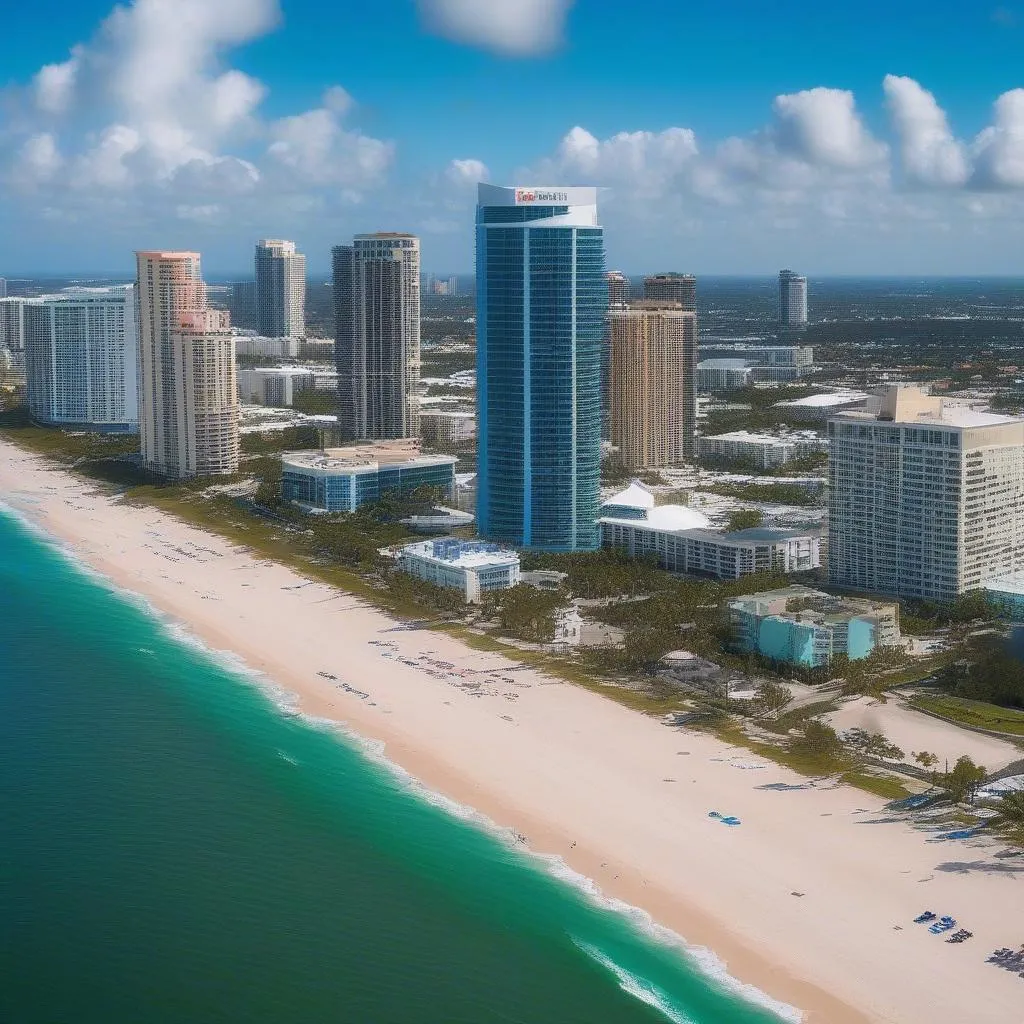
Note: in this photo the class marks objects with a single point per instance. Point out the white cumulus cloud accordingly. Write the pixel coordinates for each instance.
(929, 153)
(462, 173)
(999, 149)
(55, 84)
(514, 27)
(821, 126)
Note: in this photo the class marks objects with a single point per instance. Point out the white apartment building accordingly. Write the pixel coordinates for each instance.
(766, 450)
(12, 322)
(925, 499)
(278, 385)
(188, 391)
(280, 292)
(472, 567)
(81, 359)
(792, 299)
(446, 427)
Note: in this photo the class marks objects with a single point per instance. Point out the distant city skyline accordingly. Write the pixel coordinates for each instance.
(190, 125)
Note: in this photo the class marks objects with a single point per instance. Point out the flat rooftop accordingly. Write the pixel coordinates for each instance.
(403, 452)
(463, 554)
(825, 400)
(747, 437)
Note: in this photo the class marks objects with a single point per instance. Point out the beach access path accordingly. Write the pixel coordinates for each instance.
(810, 900)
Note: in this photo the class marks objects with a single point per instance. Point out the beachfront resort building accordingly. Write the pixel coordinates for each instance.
(188, 391)
(541, 305)
(342, 479)
(652, 383)
(280, 289)
(472, 567)
(765, 451)
(682, 540)
(926, 499)
(800, 626)
(81, 360)
(377, 335)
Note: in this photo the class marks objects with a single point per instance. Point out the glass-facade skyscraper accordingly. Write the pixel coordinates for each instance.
(541, 304)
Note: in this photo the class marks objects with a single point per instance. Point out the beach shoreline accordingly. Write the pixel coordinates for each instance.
(807, 901)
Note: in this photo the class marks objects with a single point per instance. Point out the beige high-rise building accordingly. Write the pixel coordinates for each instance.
(618, 287)
(652, 396)
(188, 393)
(926, 498)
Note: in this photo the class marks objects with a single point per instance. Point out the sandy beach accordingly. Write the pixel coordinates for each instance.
(810, 900)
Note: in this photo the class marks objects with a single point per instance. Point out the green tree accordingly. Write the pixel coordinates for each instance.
(1010, 817)
(926, 759)
(963, 781)
(819, 740)
(772, 698)
(745, 519)
(866, 744)
(525, 612)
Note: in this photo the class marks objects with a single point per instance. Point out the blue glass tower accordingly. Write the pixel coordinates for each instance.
(541, 304)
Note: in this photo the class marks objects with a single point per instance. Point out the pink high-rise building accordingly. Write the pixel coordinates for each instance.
(188, 398)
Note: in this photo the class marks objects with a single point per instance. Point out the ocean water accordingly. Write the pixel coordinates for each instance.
(175, 848)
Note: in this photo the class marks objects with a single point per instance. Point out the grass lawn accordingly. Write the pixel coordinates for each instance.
(974, 712)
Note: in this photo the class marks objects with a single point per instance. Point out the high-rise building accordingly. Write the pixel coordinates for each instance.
(188, 392)
(377, 335)
(453, 285)
(541, 302)
(241, 303)
(926, 499)
(3, 287)
(81, 359)
(618, 288)
(681, 288)
(280, 289)
(12, 323)
(652, 386)
(792, 299)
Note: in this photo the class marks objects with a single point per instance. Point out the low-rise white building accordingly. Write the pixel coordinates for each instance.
(472, 567)
(257, 347)
(682, 541)
(442, 426)
(724, 374)
(764, 450)
(278, 385)
(819, 408)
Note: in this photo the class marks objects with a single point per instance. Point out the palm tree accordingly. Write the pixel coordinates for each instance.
(1010, 816)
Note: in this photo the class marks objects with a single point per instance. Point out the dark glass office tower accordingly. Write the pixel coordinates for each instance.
(541, 304)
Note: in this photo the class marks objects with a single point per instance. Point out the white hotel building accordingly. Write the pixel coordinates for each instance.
(470, 566)
(81, 359)
(682, 540)
(926, 499)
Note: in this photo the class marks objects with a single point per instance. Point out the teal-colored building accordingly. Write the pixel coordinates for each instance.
(804, 627)
(343, 479)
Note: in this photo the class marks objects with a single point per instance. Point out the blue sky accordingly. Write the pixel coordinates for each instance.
(732, 137)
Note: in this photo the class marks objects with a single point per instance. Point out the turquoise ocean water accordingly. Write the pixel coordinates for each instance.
(175, 849)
